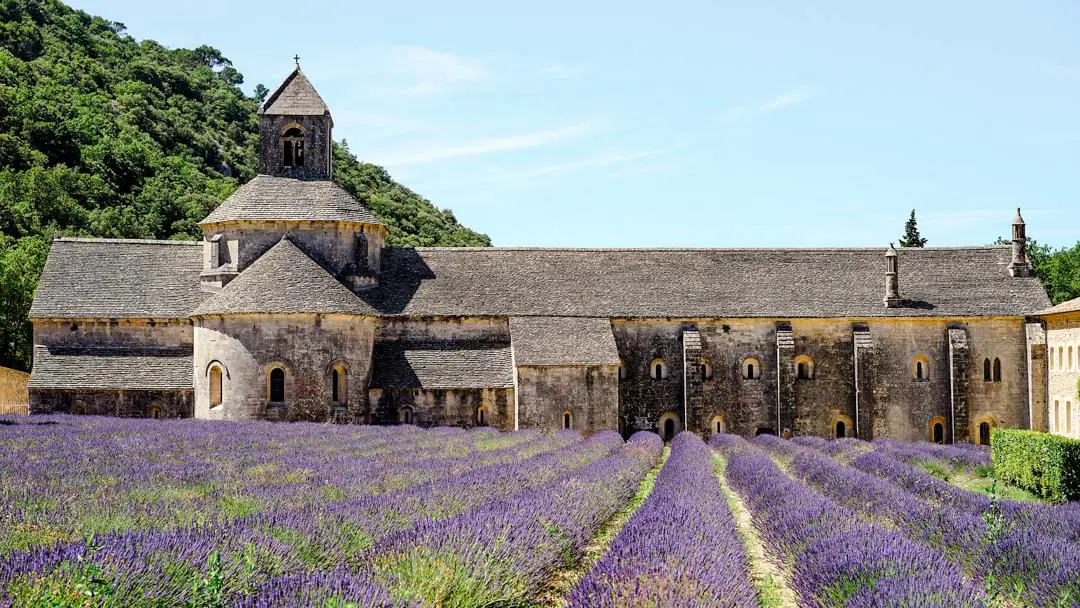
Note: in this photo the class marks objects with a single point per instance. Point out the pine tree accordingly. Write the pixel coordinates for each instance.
(911, 237)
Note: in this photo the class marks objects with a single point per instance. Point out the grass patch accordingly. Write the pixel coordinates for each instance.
(767, 575)
(562, 582)
(974, 482)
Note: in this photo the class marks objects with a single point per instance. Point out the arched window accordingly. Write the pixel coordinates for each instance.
(622, 369)
(481, 416)
(719, 425)
(986, 371)
(937, 429)
(658, 369)
(997, 369)
(804, 367)
(339, 385)
(920, 368)
(841, 429)
(1050, 358)
(292, 146)
(155, 412)
(1070, 359)
(1061, 357)
(706, 370)
(567, 419)
(215, 385)
(277, 385)
(1068, 417)
(751, 369)
(1057, 417)
(405, 415)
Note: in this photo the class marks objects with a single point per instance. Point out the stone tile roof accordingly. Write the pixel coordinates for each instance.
(283, 198)
(539, 341)
(113, 278)
(688, 283)
(131, 369)
(284, 280)
(1066, 306)
(442, 365)
(295, 96)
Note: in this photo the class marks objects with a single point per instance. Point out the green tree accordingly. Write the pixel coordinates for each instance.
(102, 135)
(911, 237)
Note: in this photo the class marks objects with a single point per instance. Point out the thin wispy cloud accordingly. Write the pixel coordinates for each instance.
(388, 122)
(605, 159)
(784, 100)
(562, 72)
(1063, 72)
(418, 70)
(436, 151)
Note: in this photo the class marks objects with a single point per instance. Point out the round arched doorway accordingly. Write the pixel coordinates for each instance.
(669, 425)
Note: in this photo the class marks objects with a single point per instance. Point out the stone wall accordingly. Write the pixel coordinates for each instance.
(317, 131)
(892, 401)
(1063, 394)
(115, 333)
(332, 244)
(125, 404)
(307, 347)
(14, 396)
(442, 329)
(589, 393)
(445, 407)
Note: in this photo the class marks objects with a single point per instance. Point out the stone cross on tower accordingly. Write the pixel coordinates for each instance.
(296, 59)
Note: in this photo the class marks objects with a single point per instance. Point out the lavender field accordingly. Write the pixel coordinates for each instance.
(147, 513)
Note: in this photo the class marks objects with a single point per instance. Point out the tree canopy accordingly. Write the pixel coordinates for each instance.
(911, 237)
(102, 135)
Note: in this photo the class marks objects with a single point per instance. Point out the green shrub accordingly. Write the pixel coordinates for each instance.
(1048, 465)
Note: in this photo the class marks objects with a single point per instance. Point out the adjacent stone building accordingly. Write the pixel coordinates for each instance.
(294, 308)
(1062, 353)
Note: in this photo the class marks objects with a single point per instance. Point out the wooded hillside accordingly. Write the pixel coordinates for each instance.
(102, 135)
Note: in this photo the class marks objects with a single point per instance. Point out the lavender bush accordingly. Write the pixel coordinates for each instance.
(838, 558)
(1015, 562)
(679, 550)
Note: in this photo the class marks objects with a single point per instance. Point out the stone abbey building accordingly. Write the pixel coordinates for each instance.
(294, 308)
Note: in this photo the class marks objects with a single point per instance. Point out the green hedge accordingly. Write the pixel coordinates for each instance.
(1048, 465)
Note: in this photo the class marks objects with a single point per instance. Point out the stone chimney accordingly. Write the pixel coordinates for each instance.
(1019, 266)
(892, 279)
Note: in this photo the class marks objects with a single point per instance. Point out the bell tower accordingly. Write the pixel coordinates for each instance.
(295, 130)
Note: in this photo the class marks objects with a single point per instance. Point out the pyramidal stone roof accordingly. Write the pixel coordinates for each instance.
(269, 198)
(284, 280)
(294, 97)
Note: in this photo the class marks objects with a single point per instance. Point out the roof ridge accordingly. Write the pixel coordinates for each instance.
(83, 239)
(704, 249)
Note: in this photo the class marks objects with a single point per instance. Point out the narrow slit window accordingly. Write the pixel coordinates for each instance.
(997, 369)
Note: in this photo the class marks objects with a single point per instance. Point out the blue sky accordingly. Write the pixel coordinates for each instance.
(710, 124)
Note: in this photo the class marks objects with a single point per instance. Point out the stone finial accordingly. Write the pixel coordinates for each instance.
(1019, 266)
(892, 278)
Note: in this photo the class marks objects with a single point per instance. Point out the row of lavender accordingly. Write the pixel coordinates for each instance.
(1024, 554)
(62, 478)
(157, 566)
(837, 557)
(681, 549)
(500, 552)
(443, 517)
